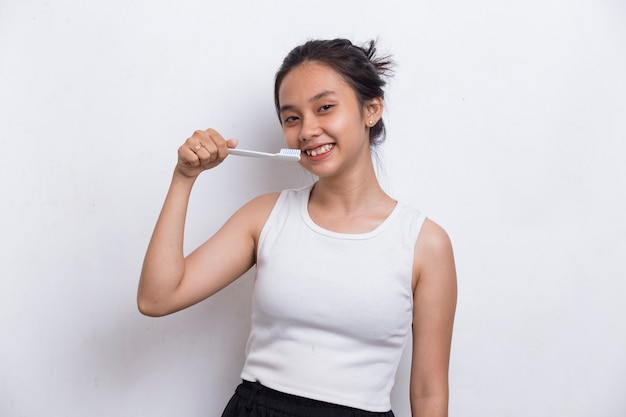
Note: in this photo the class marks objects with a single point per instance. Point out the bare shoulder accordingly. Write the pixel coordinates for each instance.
(433, 238)
(255, 212)
(261, 205)
(433, 252)
(262, 202)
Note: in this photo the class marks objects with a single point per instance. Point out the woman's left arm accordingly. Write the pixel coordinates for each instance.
(434, 305)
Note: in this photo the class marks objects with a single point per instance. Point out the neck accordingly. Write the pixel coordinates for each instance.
(349, 193)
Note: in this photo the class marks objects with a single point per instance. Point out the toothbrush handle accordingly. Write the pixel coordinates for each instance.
(245, 152)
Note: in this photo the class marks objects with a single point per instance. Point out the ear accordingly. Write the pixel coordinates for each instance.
(373, 111)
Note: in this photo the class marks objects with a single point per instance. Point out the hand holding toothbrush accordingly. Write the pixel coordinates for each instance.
(206, 149)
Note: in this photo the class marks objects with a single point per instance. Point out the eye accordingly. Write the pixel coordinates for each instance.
(290, 119)
(326, 107)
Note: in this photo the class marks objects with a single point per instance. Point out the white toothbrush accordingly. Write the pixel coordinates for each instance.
(283, 155)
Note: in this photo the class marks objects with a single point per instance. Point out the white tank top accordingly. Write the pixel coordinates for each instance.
(331, 311)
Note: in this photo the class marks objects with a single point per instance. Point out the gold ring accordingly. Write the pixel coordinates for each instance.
(198, 146)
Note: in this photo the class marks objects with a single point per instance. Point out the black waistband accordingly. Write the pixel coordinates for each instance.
(254, 394)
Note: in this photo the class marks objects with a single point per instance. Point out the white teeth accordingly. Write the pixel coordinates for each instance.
(318, 151)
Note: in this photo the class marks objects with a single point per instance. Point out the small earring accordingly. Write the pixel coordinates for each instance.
(371, 122)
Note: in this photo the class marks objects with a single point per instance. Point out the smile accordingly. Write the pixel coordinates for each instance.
(320, 150)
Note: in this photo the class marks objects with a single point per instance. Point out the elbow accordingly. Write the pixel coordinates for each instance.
(149, 308)
(150, 302)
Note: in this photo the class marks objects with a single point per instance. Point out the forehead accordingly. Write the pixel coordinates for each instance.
(309, 79)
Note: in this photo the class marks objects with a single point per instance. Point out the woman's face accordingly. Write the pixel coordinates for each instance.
(321, 115)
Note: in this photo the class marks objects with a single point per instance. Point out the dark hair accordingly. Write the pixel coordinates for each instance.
(359, 66)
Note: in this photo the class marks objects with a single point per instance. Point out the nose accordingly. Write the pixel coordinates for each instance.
(310, 128)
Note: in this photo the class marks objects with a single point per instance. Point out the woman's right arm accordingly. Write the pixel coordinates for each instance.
(170, 281)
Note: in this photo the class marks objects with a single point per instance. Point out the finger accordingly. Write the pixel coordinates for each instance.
(194, 143)
(215, 144)
(223, 148)
(232, 143)
(207, 154)
(208, 147)
(208, 138)
(187, 155)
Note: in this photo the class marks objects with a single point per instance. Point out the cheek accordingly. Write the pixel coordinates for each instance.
(290, 136)
(341, 124)
(346, 123)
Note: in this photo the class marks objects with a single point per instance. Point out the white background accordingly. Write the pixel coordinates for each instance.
(506, 126)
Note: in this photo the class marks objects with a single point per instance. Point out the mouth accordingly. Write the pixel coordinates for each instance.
(320, 150)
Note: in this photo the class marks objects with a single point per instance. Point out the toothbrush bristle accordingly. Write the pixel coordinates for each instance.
(291, 154)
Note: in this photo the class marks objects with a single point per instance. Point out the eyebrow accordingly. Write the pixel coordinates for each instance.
(311, 100)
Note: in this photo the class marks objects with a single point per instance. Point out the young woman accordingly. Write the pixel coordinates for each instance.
(344, 271)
